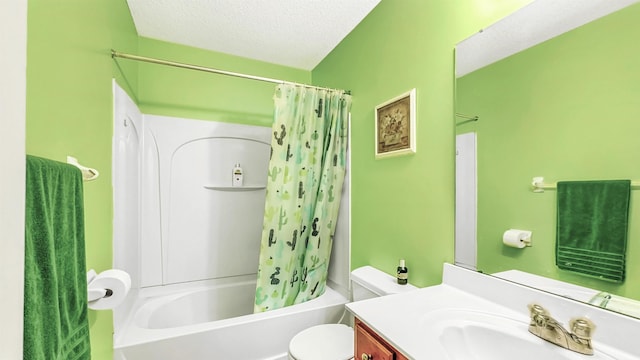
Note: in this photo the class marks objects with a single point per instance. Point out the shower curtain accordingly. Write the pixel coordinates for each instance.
(306, 173)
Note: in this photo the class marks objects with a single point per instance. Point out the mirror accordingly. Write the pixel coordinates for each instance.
(561, 102)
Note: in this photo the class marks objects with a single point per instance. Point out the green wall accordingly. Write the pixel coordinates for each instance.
(403, 207)
(566, 109)
(69, 110)
(173, 91)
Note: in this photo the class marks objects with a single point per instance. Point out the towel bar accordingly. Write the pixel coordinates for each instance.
(87, 173)
(538, 185)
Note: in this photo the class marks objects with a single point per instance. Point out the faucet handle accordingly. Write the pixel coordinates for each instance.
(582, 327)
(535, 309)
(539, 315)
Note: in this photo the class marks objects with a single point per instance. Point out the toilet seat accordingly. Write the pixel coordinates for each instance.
(323, 342)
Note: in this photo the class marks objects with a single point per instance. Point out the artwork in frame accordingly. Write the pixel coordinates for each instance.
(396, 126)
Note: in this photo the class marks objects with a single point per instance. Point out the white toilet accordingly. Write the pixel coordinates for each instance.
(335, 341)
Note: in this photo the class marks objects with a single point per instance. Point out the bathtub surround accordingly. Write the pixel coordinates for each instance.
(178, 218)
(188, 236)
(304, 187)
(56, 325)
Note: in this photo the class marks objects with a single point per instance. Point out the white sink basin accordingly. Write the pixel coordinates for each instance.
(472, 335)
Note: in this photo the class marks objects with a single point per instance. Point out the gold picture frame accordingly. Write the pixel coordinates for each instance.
(396, 126)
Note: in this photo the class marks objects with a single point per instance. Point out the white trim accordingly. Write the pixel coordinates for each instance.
(13, 85)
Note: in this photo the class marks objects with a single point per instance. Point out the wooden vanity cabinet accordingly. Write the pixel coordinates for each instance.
(370, 346)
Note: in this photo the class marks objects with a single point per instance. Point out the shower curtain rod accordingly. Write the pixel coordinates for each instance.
(115, 54)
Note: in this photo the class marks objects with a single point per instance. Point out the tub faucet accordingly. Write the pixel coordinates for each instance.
(548, 328)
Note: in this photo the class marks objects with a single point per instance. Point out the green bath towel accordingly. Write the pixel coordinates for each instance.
(592, 227)
(56, 326)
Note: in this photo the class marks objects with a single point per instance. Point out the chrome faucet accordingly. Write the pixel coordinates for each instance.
(547, 328)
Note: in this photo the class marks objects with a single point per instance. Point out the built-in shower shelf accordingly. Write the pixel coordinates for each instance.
(235, 188)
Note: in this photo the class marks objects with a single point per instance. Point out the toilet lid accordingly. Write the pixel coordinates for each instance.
(323, 342)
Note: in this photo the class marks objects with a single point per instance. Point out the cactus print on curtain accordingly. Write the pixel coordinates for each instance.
(306, 173)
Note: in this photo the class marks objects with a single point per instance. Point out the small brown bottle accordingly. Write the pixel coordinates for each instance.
(403, 273)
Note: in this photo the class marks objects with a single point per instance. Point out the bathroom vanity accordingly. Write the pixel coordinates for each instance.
(471, 315)
(369, 345)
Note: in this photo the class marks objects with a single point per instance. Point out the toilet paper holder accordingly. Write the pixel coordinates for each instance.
(527, 238)
(107, 290)
(95, 294)
(517, 238)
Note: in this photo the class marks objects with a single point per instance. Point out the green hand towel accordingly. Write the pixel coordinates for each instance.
(56, 325)
(592, 227)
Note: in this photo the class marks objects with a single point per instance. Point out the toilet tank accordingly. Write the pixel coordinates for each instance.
(368, 282)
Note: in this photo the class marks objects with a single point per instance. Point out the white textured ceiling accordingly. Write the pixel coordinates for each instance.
(535, 23)
(295, 33)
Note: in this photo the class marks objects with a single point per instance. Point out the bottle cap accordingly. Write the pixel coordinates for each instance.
(402, 263)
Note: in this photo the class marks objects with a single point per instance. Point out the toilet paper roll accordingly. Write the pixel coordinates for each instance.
(516, 238)
(117, 283)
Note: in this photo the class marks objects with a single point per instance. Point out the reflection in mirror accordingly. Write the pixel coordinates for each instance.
(566, 109)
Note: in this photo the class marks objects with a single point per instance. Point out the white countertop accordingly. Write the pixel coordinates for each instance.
(406, 321)
(400, 319)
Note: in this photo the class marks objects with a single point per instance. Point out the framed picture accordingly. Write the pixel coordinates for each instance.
(396, 126)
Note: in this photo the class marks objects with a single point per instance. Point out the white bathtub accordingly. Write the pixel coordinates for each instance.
(216, 322)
